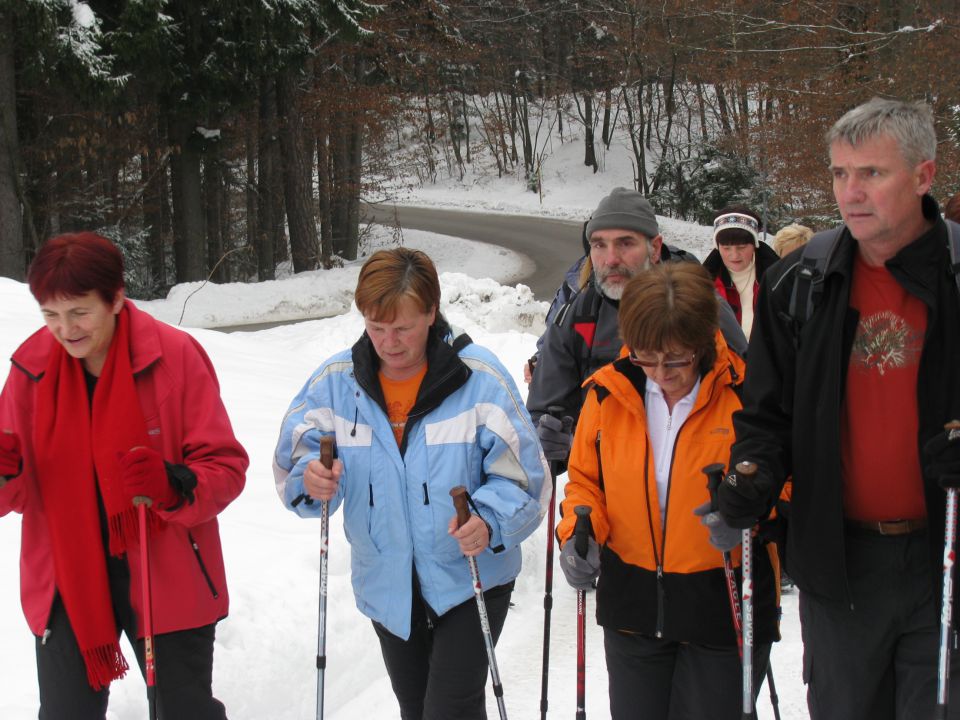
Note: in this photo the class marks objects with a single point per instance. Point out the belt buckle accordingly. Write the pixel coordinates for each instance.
(894, 528)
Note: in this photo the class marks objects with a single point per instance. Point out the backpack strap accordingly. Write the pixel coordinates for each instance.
(953, 235)
(809, 275)
(585, 321)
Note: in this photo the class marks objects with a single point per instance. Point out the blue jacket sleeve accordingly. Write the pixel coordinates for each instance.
(309, 417)
(515, 490)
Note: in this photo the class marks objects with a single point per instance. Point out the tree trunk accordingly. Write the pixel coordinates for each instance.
(324, 190)
(724, 111)
(455, 131)
(297, 186)
(267, 190)
(528, 159)
(639, 152)
(188, 216)
(466, 124)
(607, 103)
(12, 256)
(212, 196)
(354, 182)
(250, 191)
(589, 149)
(339, 154)
(514, 115)
(152, 172)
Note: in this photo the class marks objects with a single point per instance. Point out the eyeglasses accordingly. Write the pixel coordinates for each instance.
(667, 364)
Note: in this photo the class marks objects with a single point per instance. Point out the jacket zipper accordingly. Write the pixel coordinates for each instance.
(657, 555)
(203, 567)
(599, 461)
(661, 558)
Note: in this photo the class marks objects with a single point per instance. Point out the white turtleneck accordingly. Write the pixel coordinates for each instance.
(744, 281)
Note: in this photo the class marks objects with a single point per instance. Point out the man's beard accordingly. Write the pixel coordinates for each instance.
(614, 291)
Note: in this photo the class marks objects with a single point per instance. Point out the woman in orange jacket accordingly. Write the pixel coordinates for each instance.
(651, 422)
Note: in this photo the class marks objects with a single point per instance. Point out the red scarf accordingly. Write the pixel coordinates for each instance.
(78, 451)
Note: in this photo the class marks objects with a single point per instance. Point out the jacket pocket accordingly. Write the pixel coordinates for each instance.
(203, 568)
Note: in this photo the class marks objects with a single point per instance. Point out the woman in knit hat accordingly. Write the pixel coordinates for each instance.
(739, 260)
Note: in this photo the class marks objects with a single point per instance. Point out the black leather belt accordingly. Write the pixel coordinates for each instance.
(890, 527)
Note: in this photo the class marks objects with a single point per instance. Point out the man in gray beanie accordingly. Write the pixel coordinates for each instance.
(622, 238)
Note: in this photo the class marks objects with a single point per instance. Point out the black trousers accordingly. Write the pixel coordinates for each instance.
(877, 660)
(184, 665)
(441, 671)
(665, 680)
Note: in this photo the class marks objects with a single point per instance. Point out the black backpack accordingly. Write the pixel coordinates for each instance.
(814, 261)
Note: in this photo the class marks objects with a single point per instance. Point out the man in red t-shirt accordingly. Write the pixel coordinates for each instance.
(853, 405)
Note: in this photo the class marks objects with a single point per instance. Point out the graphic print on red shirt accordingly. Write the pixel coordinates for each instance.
(879, 421)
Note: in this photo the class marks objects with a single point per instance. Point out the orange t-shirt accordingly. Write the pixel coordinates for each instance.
(400, 395)
(879, 422)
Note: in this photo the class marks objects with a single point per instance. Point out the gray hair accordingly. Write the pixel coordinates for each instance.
(909, 123)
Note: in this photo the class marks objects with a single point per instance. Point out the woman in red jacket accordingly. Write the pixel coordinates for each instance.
(651, 421)
(102, 405)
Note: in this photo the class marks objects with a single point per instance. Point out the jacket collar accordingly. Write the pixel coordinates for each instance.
(32, 355)
(921, 254)
(628, 382)
(446, 372)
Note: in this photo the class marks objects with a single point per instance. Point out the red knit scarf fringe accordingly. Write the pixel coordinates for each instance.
(124, 529)
(104, 664)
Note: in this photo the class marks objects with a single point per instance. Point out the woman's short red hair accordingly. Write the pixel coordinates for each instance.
(75, 264)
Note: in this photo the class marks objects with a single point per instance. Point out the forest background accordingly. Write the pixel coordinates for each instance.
(227, 138)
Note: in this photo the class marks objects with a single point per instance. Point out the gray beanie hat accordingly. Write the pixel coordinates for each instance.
(624, 210)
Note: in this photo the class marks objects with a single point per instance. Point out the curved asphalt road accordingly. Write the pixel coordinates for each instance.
(552, 245)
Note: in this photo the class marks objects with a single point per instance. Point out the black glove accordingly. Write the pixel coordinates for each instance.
(11, 458)
(555, 435)
(744, 500)
(723, 537)
(580, 572)
(941, 458)
(184, 481)
(774, 529)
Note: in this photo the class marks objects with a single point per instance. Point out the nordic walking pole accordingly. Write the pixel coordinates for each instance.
(150, 669)
(459, 495)
(581, 535)
(748, 470)
(555, 469)
(714, 475)
(774, 699)
(326, 459)
(946, 604)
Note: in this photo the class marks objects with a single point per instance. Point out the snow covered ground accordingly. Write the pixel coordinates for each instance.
(265, 649)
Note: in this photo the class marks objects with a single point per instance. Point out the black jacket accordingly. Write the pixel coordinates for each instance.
(790, 423)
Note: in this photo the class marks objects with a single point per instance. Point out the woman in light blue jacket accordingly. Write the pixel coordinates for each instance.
(417, 409)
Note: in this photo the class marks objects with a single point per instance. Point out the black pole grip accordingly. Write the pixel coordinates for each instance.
(556, 411)
(582, 530)
(714, 475)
